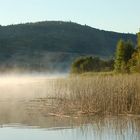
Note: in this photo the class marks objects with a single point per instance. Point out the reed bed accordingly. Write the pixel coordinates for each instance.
(101, 95)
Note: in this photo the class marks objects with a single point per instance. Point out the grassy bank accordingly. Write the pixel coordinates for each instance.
(101, 95)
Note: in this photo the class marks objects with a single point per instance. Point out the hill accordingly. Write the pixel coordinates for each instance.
(52, 45)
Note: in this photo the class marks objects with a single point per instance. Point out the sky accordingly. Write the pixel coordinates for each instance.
(112, 15)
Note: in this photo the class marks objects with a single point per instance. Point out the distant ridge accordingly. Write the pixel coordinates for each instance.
(53, 45)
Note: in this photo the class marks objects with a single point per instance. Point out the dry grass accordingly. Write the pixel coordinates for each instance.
(106, 95)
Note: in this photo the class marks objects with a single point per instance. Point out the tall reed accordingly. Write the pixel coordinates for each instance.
(111, 95)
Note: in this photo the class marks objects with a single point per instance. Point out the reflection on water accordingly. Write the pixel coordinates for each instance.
(108, 129)
(23, 115)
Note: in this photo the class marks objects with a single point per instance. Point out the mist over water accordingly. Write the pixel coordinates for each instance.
(26, 85)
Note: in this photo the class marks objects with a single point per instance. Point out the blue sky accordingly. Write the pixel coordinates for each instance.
(112, 15)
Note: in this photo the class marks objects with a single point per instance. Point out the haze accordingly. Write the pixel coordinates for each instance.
(30, 85)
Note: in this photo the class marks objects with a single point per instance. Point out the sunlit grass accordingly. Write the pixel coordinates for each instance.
(108, 95)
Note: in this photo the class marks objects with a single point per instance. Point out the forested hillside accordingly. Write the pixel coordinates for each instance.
(52, 45)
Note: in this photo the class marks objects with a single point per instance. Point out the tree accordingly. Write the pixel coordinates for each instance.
(76, 66)
(91, 64)
(135, 61)
(138, 50)
(138, 40)
(85, 64)
(119, 56)
(123, 55)
(129, 50)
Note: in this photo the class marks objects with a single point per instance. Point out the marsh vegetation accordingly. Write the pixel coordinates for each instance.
(102, 95)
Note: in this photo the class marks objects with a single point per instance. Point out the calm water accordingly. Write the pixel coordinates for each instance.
(108, 130)
(23, 116)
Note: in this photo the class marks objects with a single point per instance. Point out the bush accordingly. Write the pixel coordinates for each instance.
(91, 64)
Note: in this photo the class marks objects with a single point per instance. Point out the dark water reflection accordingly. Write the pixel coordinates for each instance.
(28, 120)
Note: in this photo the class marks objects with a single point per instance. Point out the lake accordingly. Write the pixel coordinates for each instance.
(109, 129)
(24, 116)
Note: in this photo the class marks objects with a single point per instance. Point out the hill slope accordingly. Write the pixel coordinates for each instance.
(53, 44)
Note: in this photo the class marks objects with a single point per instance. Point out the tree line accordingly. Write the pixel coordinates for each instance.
(126, 60)
(89, 63)
(127, 57)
